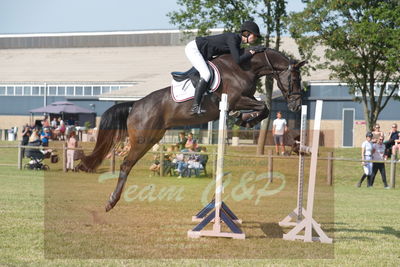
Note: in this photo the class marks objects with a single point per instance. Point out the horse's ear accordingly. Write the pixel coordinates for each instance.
(301, 64)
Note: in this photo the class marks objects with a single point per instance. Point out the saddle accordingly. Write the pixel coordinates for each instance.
(184, 83)
(193, 75)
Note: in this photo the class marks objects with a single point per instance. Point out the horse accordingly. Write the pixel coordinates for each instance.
(145, 121)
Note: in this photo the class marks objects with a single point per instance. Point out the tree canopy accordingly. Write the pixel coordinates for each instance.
(362, 46)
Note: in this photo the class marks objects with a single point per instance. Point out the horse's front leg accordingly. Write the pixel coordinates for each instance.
(141, 142)
(250, 119)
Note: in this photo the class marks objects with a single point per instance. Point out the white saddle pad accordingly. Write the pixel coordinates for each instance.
(184, 91)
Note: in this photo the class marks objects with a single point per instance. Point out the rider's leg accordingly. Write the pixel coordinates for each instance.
(197, 60)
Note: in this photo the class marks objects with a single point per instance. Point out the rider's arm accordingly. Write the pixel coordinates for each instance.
(233, 42)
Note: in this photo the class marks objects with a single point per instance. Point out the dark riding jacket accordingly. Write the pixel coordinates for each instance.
(225, 43)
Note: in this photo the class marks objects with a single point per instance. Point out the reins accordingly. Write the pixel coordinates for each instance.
(277, 74)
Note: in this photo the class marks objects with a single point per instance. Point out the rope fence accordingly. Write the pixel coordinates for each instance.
(269, 157)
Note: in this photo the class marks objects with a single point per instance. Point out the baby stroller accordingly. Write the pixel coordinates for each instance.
(37, 156)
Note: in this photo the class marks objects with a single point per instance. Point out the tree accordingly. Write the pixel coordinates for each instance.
(275, 11)
(362, 46)
(206, 14)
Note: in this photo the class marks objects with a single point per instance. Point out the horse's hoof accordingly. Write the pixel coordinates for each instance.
(109, 207)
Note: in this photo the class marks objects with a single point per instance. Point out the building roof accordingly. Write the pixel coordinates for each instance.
(148, 66)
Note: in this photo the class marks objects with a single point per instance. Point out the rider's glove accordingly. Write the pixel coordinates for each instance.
(258, 49)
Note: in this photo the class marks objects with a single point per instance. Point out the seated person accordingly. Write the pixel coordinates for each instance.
(377, 133)
(393, 135)
(203, 158)
(396, 147)
(194, 165)
(155, 166)
(191, 144)
(181, 165)
(182, 140)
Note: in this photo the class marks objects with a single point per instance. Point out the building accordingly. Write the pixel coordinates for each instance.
(98, 69)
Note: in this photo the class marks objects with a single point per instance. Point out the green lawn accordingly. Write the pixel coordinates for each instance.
(57, 219)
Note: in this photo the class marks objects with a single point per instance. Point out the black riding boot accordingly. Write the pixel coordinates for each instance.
(198, 96)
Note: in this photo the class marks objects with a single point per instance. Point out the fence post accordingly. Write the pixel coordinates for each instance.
(270, 165)
(64, 157)
(329, 175)
(393, 171)
(19, 157)
(112, 166)
(162, 160)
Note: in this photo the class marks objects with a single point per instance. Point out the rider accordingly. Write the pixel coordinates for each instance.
(205, 48)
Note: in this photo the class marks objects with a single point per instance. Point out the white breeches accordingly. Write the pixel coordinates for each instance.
(197, 60)
(367, 165)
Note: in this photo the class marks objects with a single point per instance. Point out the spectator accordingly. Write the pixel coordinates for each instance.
(45, 136)
(54, 123)
(26, 133)
(379, 149)
(181, 165)
(393, 135)
(191, 144)
(366, 154)
(194, 165)
(396, 147)
(155, 166)
(278, 130)
(71, 143)
(182, 140)
(45, 122)
(377, 133)
(203, 159)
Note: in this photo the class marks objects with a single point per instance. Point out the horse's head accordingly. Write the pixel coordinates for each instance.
(287, 74)
(289, 81)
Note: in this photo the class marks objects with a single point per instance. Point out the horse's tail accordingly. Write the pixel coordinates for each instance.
(113, 129)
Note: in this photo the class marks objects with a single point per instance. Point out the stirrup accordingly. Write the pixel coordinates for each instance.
(196, 110)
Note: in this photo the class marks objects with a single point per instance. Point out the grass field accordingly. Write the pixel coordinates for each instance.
(57, 219)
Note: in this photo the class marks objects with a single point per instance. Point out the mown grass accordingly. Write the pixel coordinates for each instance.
(57, 219)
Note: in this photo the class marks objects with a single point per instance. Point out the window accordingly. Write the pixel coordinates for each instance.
(18, 90)
(96, 90)
(105, 89)
(10, 90)
(2, 90)
(61, 90)
(87, 90)
(78, 90)
(52, 90)
(70, 90)
(27, 90)
(113, 88)
(41, 90)
(35, 90)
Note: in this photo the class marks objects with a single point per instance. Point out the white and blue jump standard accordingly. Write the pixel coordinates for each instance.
(217, 211)
(300, 218)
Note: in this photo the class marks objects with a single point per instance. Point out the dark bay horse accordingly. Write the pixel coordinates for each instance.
(145, 121)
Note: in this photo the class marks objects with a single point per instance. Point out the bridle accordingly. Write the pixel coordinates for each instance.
(277, 74)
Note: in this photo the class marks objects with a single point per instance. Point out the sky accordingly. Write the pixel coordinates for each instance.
(53, 16)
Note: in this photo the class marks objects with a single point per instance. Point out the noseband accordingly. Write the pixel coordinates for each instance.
(277, 74)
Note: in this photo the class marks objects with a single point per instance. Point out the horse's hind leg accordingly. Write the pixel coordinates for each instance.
(141, 142)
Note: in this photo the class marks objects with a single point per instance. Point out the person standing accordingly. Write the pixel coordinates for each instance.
(379, 149)
(45, 136)
(366, 154)
(71, 143)
(26, 133)
(279, 128)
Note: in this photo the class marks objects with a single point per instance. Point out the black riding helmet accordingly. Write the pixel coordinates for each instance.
(369, 134)
(250, 26)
